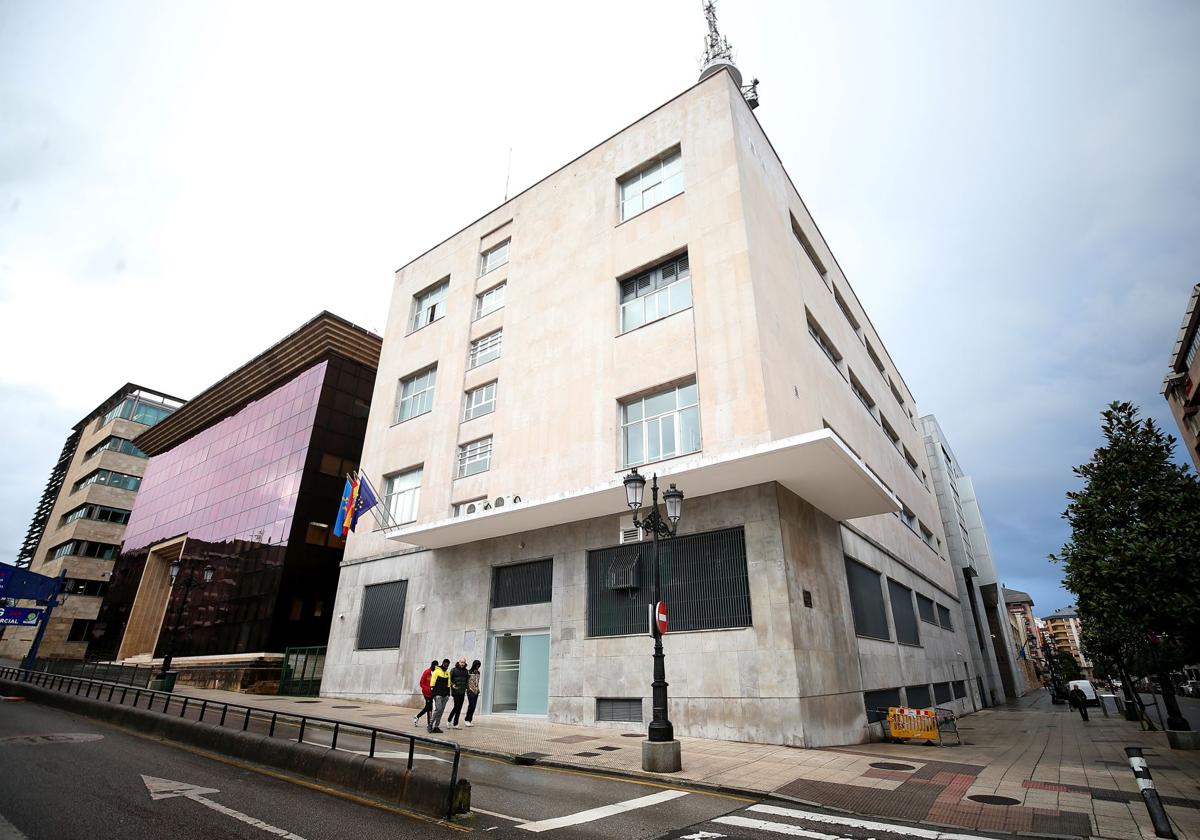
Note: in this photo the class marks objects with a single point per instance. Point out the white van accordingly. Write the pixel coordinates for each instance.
(1089, 692)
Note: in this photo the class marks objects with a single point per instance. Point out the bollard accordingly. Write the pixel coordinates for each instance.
(1158, 814)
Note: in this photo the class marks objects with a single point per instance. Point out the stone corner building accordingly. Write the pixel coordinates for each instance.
(663, 301)
(1182, 385)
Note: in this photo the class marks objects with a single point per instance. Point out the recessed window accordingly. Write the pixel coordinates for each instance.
(489, 301)
(651, 185)
(809, 250)
(80, 630)
(866, 601)
(942, 693)
(493, 258)
(140, 407)
(898, 396)
(657, 293)
(97, 513)
(479, 401)
(415, 396)
(123, 481)
(115, 444)
(944, 617)
(522, 583)
(402, 495)
(878, 703)
(382, 615)
(890, 432)
(661, 425)
(904, 617)
(842, 305)
(822, 338)
(83, 548)
(911, 461)
(429, 305)
(475, 457)
(863, 396)
(485, 349)
(926, 609)
(907, 516)
(317, 533)
(878, 362)
(918, 696)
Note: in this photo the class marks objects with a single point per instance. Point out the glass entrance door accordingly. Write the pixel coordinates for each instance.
(521, 673)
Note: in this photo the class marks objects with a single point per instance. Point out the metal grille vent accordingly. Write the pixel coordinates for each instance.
(619, 709)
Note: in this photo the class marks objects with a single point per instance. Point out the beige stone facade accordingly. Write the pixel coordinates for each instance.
(102, 525)
(1182, 385)
(808, 440)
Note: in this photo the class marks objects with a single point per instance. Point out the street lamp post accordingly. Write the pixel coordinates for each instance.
(187, 584)
(660, 731)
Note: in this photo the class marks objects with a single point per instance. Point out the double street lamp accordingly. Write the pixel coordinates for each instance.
(660, 729)
(187, 584)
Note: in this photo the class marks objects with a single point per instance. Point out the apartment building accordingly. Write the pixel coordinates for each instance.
(80, 520)
(664, 302)
(1064, 631)
(1180, 386)
(1026, 636)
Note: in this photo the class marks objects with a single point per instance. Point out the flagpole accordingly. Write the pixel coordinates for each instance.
(386, 520)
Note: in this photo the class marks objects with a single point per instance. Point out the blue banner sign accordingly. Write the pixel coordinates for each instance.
(20, 616)
(5, 576)
(22, 583)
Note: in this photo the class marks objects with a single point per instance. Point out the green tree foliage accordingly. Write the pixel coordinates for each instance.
(1065, 666)
(1132, 559)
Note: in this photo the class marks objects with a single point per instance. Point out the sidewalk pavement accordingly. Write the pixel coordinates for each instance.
(1028, 766)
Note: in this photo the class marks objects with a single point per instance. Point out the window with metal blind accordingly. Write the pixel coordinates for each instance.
(429, 305)
(619, 709)
(382, 615)
(960, 689)
(944, 617)
(489, 301)
(925, 609)
(657, 293)
(415, 396)
(522, 583)
(703, 579)
(942, 693)
(485, 348)
(479, 401)
(661, 425)
(402, 495)
(878, 702)
(474, 457)
(918, 696)
(904, 617)
(823, 341)
(651, 185)
(866, 601)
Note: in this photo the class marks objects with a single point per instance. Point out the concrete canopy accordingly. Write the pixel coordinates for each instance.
(816, 466)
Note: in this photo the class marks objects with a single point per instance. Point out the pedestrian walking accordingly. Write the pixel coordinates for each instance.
(427, 693)
(458, 690)
(439, 684)
(472, 690)
(1078, 699)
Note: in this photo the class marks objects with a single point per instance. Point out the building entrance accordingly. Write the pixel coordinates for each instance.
(520, 672)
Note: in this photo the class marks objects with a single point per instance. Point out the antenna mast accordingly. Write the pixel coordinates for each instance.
(718, 55)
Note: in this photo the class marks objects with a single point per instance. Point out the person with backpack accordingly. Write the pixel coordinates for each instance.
(439, 684)
(472, 690)
(427, 693)
(458, 690)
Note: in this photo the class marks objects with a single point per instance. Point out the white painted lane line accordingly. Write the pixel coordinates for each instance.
(475, 810)
(605, 811)
(169, 789)
(777, 828)
(851, 822)
(8, 831)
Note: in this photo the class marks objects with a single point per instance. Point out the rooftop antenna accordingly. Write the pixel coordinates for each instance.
(718, 55)
(508, 173)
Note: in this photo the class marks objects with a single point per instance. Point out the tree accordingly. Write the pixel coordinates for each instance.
(1132, 558)
(1065, 666)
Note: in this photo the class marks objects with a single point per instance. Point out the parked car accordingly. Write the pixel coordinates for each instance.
(1089, 692)
(1191, 688)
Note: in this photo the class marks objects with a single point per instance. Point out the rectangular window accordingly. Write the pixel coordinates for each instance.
(619, 709)
(845, 307)
(908, 517)
(904, 617)
(861, 393)
(891, 433)
(87, 588)
(657, 293)
(415, 396)
(115, 444)
(429, 305)
(878, 703)
(651, 185)
(874, 356)
(703, 578)
(493, 258)
(918, 696)
(926, 533)
(485, 349)
(942, 693)
(925, 609)
(661, 425)
(911, 461)
(402, 495)
(80, 630)
(475, 457)
(896, 392)
(83, 548)
(97, 513)
(489, 301)
(479, 401)
(798, 232)
(960, 689)
(522, 583)
(141, 407)
(122, 481)
(866, 601)
(822, 338)
(944, 617)
(382, 615)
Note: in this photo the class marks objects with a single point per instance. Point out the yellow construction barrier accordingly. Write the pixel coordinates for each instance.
(913, 723)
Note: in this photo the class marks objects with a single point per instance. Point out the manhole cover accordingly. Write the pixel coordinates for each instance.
(891, 765)
(988, 799)
(60, 738)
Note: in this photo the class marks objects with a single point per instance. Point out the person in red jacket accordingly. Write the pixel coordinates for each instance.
(427, 693)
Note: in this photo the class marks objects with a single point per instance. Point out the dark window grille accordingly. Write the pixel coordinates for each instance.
(960, 689)
(918, 696)
(620, 709)
(866, 601)
(808, 602)
(903, 614)
(878, 702)
(942, 693)
(944, 617)
(703, 578)
(382, 615)
(523, 583)
(925, 609)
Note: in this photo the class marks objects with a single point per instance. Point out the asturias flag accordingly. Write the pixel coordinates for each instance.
(346, 509)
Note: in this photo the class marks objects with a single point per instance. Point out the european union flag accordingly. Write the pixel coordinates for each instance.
(363, 501)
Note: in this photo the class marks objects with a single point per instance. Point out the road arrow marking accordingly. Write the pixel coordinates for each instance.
(166, 789)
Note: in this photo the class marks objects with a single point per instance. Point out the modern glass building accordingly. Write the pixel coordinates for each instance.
(246, 480)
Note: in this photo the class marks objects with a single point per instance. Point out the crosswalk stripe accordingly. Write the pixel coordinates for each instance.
(777, 828)
(850, 822)
(605, 811)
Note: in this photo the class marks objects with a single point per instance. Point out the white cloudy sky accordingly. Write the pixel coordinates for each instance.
(1012, 188)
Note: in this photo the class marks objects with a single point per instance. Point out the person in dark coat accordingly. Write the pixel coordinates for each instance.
(472, 689)
(458, 690)
(1078, 699)
(439, 682)
(427, 693)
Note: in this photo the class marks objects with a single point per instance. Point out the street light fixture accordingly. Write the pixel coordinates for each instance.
(660, 729)
(187, 583)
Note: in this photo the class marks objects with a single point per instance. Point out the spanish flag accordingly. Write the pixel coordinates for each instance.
(345, 515)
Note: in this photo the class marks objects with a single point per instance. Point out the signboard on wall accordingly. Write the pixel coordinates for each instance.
(20, 616)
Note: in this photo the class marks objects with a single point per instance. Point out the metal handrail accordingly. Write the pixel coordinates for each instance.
(59, 682)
